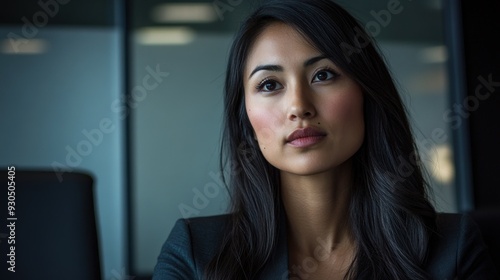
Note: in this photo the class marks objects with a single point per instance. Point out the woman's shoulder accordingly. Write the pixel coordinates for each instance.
(189, 247)
(450, 222)
(205, 233)
(207, 222)
(450, 225)
(457, 250)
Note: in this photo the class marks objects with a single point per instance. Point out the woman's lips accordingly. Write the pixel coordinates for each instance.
(304, 137)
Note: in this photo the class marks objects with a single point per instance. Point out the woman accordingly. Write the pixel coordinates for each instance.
(319, 192)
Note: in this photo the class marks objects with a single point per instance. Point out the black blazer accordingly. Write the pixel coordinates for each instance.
(457, 251)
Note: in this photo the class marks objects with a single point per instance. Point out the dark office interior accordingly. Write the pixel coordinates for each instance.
(77, 114)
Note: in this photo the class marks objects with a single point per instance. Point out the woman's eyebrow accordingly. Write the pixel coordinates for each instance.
(268, 67)
(313, 60)
(277, 68)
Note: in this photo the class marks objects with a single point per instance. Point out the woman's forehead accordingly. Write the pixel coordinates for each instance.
(279, 43)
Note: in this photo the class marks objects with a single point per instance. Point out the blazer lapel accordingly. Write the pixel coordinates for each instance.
(277, 266)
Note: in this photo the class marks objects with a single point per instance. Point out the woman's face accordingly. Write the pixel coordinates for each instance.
(307, 115)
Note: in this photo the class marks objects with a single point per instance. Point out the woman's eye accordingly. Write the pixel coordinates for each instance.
(269, 85)
(324, 75)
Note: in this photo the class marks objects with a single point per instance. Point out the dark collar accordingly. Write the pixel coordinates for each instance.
(277, 267)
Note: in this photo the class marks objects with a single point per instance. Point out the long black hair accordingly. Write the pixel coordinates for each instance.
(391, 217)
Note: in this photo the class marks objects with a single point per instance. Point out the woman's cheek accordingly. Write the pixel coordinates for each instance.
(345, 114)
(265, 125)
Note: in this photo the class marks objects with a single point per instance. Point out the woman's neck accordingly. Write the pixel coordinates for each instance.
(317, 209)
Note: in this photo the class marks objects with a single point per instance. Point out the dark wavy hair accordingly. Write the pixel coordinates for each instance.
(391, 217)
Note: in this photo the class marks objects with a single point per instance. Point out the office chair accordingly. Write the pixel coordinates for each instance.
(55, 230)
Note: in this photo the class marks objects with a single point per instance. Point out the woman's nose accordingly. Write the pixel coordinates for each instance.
(301, 105)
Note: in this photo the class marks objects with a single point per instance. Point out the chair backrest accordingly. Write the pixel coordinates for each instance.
(55, 227)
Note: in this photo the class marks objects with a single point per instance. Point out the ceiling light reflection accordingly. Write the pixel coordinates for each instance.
(165, 35)
(436, 54)
(442, 169)
(24, 46)
(185, 13)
